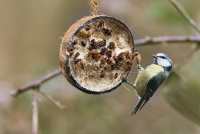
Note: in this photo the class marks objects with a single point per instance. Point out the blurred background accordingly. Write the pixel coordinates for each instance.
(30, 34)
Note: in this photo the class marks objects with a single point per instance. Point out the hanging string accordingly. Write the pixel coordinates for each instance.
(94, 6)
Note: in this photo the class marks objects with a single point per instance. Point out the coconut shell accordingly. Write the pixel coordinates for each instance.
(96, 54)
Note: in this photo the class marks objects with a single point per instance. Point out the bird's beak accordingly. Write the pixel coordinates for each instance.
(154, 56)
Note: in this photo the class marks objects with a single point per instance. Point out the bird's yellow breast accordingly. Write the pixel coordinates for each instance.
(144, 76)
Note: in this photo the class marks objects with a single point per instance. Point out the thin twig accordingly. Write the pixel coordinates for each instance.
(35, 84)
(52, 100)
(128, 89)
(35, 118)
(183, 12)
(167, 39)
(138, 43)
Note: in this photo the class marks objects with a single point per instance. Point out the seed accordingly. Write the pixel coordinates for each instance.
(100, 24)
(102, 75)
(121, 56)
(109, 61)
(84, 34)
(95, 55)
(76, 61)
(127, 55)
(83, 43)
(107, 32)
(111, 45)
(102, 62)
(109, 54)
(73, 43)
(116, 75)
(106, 68)
(92, 44)
(91, 76)
(87, 27)
(82, 65)
(101, 43)
(70, 47)
(93, 41)
(114, 66)
(79, 64)
(97, 45)
(127, 66)
(103, 51)
(76, 55)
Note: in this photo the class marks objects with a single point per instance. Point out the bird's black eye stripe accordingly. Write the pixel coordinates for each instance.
(163, 57)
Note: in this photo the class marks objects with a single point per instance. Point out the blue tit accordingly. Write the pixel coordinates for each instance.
(149, 79)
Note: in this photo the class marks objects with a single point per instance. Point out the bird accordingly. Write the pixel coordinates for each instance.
(149, 79)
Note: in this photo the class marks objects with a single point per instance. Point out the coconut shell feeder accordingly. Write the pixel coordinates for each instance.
(97, 53)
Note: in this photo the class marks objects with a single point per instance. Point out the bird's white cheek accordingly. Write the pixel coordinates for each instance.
(164, 62)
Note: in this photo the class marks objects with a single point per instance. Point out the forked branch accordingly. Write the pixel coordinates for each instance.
(36, 84)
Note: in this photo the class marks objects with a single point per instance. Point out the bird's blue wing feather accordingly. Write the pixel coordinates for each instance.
(151, 88)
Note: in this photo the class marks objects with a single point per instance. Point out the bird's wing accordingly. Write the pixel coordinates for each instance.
(152, 86)
(155, 82)
(144, 76)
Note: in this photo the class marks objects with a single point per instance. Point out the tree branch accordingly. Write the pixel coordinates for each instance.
(183, 12)
(35, 84)
(166, 39)
(35, 118)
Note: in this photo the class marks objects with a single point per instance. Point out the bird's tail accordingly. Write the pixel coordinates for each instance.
(140, 104)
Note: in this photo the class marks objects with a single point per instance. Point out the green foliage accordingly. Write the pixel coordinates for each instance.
(164, 12)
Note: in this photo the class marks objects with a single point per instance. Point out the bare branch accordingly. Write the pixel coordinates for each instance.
(35, 84)
(183, 12)
(138, 43)
(52, 100)
(167, 39)
(35, 118)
